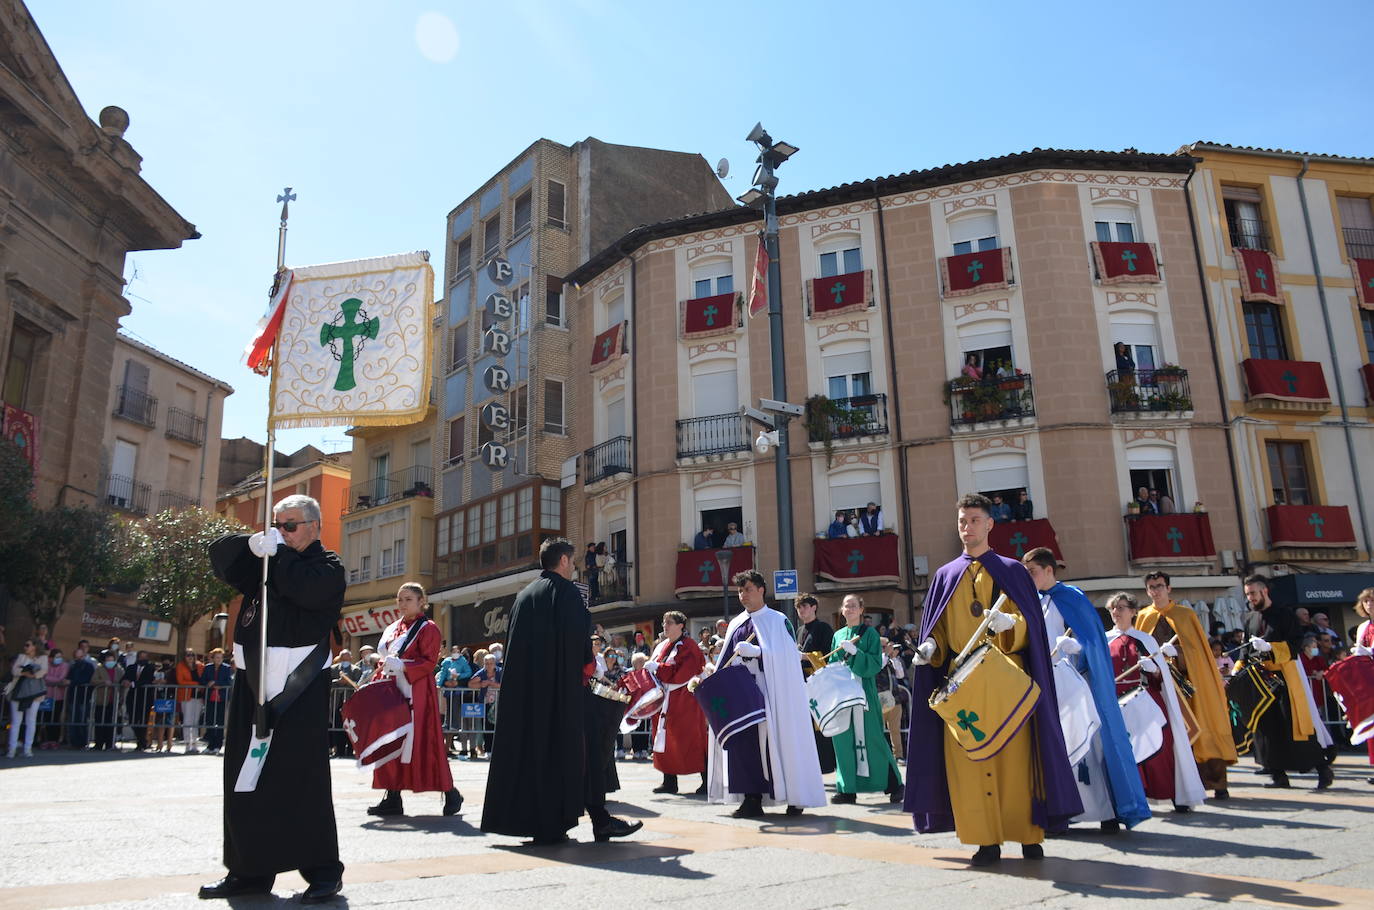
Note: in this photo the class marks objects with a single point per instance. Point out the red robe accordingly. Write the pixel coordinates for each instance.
(684, 749)
(1157, 771)
(428, 765)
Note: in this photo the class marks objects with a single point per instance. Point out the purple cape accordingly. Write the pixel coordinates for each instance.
(1055, 799)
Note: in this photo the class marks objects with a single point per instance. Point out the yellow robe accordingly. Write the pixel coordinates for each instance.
(1209, 703)
(991, 799)
(1283, 661)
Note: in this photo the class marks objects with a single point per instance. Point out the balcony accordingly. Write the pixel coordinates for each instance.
(847, 418)
(1183, 537)
(185, 426)
(990, 401)
(1285, 386)
(1367, 373)
(606, 460)
(613, 584)
(171, 499)
(1249, 233)
(1359, 243)
(699, 437)
(136, 405)
(413, 481)
(1311, 532)
(862, 562)
(1149, 394)
(1017, 538)
(698, 574)
(127, 494)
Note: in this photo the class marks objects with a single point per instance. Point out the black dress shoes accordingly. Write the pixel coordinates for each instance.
(669, 784)
(792, 811)
(1032, 851)
(987, 855)
(616, 827)
(1222, 794)
(233, 885)
(453, 802)
(898, 795)
(1280, 782)
(390, 805)
(844, 799)
(1325, 777)
(319, 892)
(752, 807)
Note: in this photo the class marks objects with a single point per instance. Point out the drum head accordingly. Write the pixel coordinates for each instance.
(647, 705)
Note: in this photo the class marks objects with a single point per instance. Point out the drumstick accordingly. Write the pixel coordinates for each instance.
(734, 657)
(978, 634)
(1136, 666)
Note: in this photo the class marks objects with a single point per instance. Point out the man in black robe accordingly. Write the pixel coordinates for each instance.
(547, 761)
(815, 635)
(284, 819)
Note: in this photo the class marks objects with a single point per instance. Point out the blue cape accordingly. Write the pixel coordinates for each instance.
(1055, 799)
(1123, 777)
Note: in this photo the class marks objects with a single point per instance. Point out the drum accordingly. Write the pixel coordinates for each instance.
(645, 694)
(811, 662)
(609, 692)
(1145, 722)
(731, 701)
(985, 702)
(378, 722)
(1077, 711)
(1250, 693)
(833, 691)
(1352, 681)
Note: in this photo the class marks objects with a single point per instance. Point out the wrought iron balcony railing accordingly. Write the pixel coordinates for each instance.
(1250, 233)
(171, 499)
(859, 415)
(1359, 243)
(136, 405)
(127, 494)
(1134, 391)
(185, 426)
(996, 398)
(711, 435)
(613, 584)
(413, 481)
(607, 459)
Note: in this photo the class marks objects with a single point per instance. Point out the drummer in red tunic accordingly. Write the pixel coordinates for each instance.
(679, 729)
(409, 652)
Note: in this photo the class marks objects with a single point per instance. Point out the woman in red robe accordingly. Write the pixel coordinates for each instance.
(410, 650)
(679, 729)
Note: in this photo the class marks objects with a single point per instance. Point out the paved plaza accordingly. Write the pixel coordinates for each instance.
(144, 831)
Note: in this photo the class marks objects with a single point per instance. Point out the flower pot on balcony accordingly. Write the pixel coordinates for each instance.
(1132, 508)
(1011, 384)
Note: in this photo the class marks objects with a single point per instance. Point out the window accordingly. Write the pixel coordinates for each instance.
(489, 521)
(1357, 226)
(854, 489)
(550, 507)
(519, 411)
(520, 220)
(399, 555)
(974, 233)
(381, 465)
(553, 407)
(1137, 331)
(1114, 223)
(989, 344)
(491, 229)
(520, 302)
(507, 514)
(553, 302)
(474, 519)
(365, 567)
(1244, 221)
(841, 262)
(524, 509)
(458, 344)
(1367, 323)
(463, 257)
(1288, 473)
(615, 311)
(441, 538)
(455, 442)
(1002, 473)
(712, 279)
(848, 371)
(556, 214)
(1264, 331)
(715, 389)
(19, 365)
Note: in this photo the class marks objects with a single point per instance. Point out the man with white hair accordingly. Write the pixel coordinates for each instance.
(278, 807)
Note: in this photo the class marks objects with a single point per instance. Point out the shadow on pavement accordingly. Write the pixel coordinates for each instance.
(1163, 843)
(427, 824)
(1134, 882)
(625, 857)
(1231, 821)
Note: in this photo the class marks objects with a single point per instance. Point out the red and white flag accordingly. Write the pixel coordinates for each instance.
(259, 350)
(758, 287)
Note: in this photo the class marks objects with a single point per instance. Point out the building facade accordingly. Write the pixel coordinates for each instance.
(1027, 323)
(508, 372)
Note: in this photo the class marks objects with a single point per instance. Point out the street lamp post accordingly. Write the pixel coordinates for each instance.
(771, 155)
(723, 558)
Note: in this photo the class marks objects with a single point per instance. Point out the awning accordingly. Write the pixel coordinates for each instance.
(1339, 589)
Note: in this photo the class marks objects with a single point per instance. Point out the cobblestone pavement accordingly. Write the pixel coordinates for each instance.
(144, 831)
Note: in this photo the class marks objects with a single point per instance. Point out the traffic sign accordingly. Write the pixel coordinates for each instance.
(785, 584)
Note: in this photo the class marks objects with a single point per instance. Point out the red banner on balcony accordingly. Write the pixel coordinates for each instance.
(1310, 526)
(1126, 263)
(1017, 538)
(1367, 371)
(841, 293)
(1364, 281)
(1259, 280)
(21, 428)
(699, 573)
(870, 560)
(707, 316)
(973, 273)
(1179, 536)
(609, 345)
(1286, 380)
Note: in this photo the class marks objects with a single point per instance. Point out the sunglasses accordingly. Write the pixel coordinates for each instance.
(290, 526)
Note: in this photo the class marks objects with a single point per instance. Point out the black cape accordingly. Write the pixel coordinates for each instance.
(818, 636)
(288, 821)
(1275, 748)
(535, 781)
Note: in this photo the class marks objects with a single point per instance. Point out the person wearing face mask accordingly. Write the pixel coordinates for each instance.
(79, 698)
(56, 680)
(190, 699)
(863, 758)
(216, 679)
(164, 697)
(103, 699)
(26, 693)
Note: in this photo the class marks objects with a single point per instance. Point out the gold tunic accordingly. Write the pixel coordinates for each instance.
(991, 799)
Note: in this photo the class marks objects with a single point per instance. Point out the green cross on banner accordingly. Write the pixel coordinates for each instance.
(710, 314)
(705, 570)
(1316, 521)
(967, 719)
(838, 290)
(1175, 535)
(854, 558)
(975, 268)
(718, 708)
(1291, 380)
(606, 347)
(345, 333)
(1129, 257)
(1019, 541)
(1263, 279)
(1370, 283)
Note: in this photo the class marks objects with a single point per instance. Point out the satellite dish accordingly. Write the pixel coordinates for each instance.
(723, 168)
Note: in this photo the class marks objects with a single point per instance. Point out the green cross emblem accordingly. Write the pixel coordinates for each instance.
(1263, 279)
(705, 570)
(854, 558)
(606, 346)
(1019, 541)
(1235, 714)
(975, 268)
(1175, 535)
(718, 708)
(1291, 380)
(838, 290)
(815, 708)
(345, 332)
(259, 752)
(1370, 283)
(1316, 521)
(710, 314)
(967, 719)
(1129, 257)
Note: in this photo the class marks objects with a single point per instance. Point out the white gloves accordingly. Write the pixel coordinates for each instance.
(849, 647)
(1149, 666)
(1000, 622)
(924, 652)
(1067, 645)
(1168, 650)
(651, 666)
(1260, 645)
(1362, 651)
(748, 649)
(394, 665)
(265, 543)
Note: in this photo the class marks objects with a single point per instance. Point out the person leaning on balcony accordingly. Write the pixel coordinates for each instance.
(871, 521)
(839, 527)
(852, 529)
(733, 538)
(1147, 505)
(1000, 511)
(971, 368)
(703, 539)
(1125, 363)
(1024, 509)
(590, 571)
(1163, 504)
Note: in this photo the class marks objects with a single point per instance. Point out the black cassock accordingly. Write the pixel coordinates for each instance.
(1275, 748)
(287, 822)
(536, 785)
(817, 636)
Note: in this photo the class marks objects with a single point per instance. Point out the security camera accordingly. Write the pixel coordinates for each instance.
(765, 441)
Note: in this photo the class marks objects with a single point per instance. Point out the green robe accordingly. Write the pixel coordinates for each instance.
(865, 663)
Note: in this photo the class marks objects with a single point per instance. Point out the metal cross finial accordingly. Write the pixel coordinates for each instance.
(286, 198)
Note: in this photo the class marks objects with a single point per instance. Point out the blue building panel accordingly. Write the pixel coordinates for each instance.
(462, 223)
(455, 395)
(491, 199)
(459, 302)
(523, 174)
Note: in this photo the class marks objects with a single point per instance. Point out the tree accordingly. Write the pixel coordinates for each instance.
(178, 584)
(16, 504)
(66, 548)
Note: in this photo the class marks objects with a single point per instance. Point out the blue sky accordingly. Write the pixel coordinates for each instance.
(382, 131)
